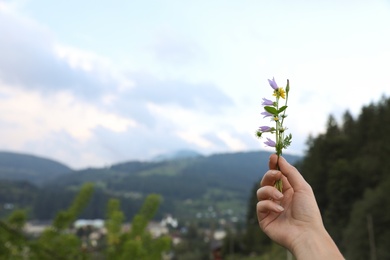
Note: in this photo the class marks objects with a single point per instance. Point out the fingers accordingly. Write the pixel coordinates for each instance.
(270, 177)
(267, 192)
(263, 208)
(293, 176)
(269, 201)
(273, 161)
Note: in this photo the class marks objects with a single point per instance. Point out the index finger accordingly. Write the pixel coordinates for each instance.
(293, 176)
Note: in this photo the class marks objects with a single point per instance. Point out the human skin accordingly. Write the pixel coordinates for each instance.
(292, 218)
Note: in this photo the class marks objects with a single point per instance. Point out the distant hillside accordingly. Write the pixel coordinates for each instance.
(189, 186)
(17, 166)
(181, 154)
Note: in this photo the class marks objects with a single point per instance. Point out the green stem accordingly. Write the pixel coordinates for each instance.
(284, 112)
(280, 137)
(277, 127)
(278, 183)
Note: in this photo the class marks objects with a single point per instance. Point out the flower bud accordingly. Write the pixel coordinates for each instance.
(288, 86)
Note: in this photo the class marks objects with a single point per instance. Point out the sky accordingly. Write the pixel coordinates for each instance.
(93, 83)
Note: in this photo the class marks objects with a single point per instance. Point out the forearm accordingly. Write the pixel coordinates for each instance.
(318, 245)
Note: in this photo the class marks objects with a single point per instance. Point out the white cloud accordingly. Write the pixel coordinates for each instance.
(34, 116)
(233, 143)
(77, 58)
(195, 138)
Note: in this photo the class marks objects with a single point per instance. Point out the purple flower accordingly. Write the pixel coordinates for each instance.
(270, 142)
(265, 128)
(267, 102)
(266, 114)
(273, 84)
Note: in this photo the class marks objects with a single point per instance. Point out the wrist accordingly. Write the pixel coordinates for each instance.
(315, 245)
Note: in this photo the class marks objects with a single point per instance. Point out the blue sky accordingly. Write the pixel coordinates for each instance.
(91, 83)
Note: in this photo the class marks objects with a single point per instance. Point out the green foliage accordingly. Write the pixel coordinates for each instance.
(58, 245)
(193, 246)
(61, 243)
(274, 251)
(351, 159)
(16, 195)
(17, 219)
(340, 185)
(56, 242)
(65, 218)
(115, 218)
(138, 242)
(255, 241)
(373, 207)
(12, 243)
(146, 213)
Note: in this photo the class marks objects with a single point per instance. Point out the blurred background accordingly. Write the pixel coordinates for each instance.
(163, 97)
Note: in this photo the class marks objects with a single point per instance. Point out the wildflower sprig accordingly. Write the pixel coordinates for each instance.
(277, 113)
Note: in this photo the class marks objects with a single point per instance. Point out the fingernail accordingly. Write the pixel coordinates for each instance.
(279, 208)
(278, 195)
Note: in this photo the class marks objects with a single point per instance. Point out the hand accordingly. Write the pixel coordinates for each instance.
(293, 219)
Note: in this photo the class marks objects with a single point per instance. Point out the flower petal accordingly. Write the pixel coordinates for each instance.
(266, 114)
(267, 102)
(265, 128)
(273, 84)
(270, 143)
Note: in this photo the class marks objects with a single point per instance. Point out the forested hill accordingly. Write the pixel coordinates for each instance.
(349, 169)
(229, 170)
(188, 185)
(26, 167)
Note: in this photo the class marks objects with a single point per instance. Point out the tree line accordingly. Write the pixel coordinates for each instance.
(348, 168)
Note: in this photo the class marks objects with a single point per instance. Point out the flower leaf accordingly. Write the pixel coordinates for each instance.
(282, 109)
(271, 110)
(287, 141)
(288, 86)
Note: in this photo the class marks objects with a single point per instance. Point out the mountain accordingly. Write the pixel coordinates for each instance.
(189, 186)
(181, 154)
(18, 166)
(192, 187)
